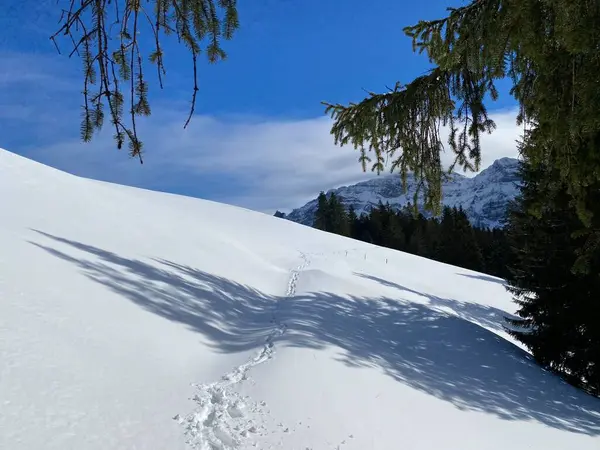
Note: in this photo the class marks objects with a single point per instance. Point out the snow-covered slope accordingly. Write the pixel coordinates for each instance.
(484, 197)
(131, 319)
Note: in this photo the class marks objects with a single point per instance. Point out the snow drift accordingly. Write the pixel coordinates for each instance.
(132, 319)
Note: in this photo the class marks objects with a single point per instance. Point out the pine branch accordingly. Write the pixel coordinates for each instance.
(407, 120)
(469, 57)
(117, 57)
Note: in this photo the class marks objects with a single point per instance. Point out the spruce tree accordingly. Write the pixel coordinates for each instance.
(322, 217)
(353, 223)
(364, 228)
(549, 52)
(497, 253)
(468, 252)
(458, 243)
(447, 251)
(377, 223)
(338, 216)
(417, 242)
(558, 306)
(394, 234)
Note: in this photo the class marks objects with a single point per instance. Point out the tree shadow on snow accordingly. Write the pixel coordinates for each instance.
(483, 277)
(444, 355)
(486, 316)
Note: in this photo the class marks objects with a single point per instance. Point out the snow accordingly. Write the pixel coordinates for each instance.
(132, 319)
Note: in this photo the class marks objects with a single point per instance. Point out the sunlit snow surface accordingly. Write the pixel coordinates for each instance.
(131, 319)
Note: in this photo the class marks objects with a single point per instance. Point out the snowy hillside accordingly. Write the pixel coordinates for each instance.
(131, 319)
(484, 197)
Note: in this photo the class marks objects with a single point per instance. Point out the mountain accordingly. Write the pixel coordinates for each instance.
(484, 197)
(132, 319)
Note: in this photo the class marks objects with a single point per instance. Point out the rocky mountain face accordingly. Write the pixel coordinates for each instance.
(484, 197)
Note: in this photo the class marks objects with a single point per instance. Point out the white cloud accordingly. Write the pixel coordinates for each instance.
(273, 164)
(44, 71)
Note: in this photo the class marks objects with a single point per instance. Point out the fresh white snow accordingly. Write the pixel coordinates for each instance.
(132, 319)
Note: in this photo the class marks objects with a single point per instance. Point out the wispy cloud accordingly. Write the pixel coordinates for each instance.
(256, 162)
(52, 72)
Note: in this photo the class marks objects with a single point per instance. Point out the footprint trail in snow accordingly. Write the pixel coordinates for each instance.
(220, 421)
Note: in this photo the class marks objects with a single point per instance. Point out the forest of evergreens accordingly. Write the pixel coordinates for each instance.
(449, 239)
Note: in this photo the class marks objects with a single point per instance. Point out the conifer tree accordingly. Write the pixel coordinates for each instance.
(322, 216)
(447, 250)
(458, 243)
(424, 236)
(417, 241)
(558, 306)
(495, 251)
(377, 220)
(468, 252)
(338, 216)
(105, 34)
(547, 49)
(431, 232)
(364, 228)
(394, 236)
(353, 223)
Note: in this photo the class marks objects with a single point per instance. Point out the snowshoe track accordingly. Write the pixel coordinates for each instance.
(219, 421)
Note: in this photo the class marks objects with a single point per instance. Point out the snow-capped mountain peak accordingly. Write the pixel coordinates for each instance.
(484, 197)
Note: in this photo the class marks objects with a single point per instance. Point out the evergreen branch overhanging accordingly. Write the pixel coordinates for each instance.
(406, 125)
(105, 34)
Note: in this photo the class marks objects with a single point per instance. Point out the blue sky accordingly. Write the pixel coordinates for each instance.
(259, 138)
